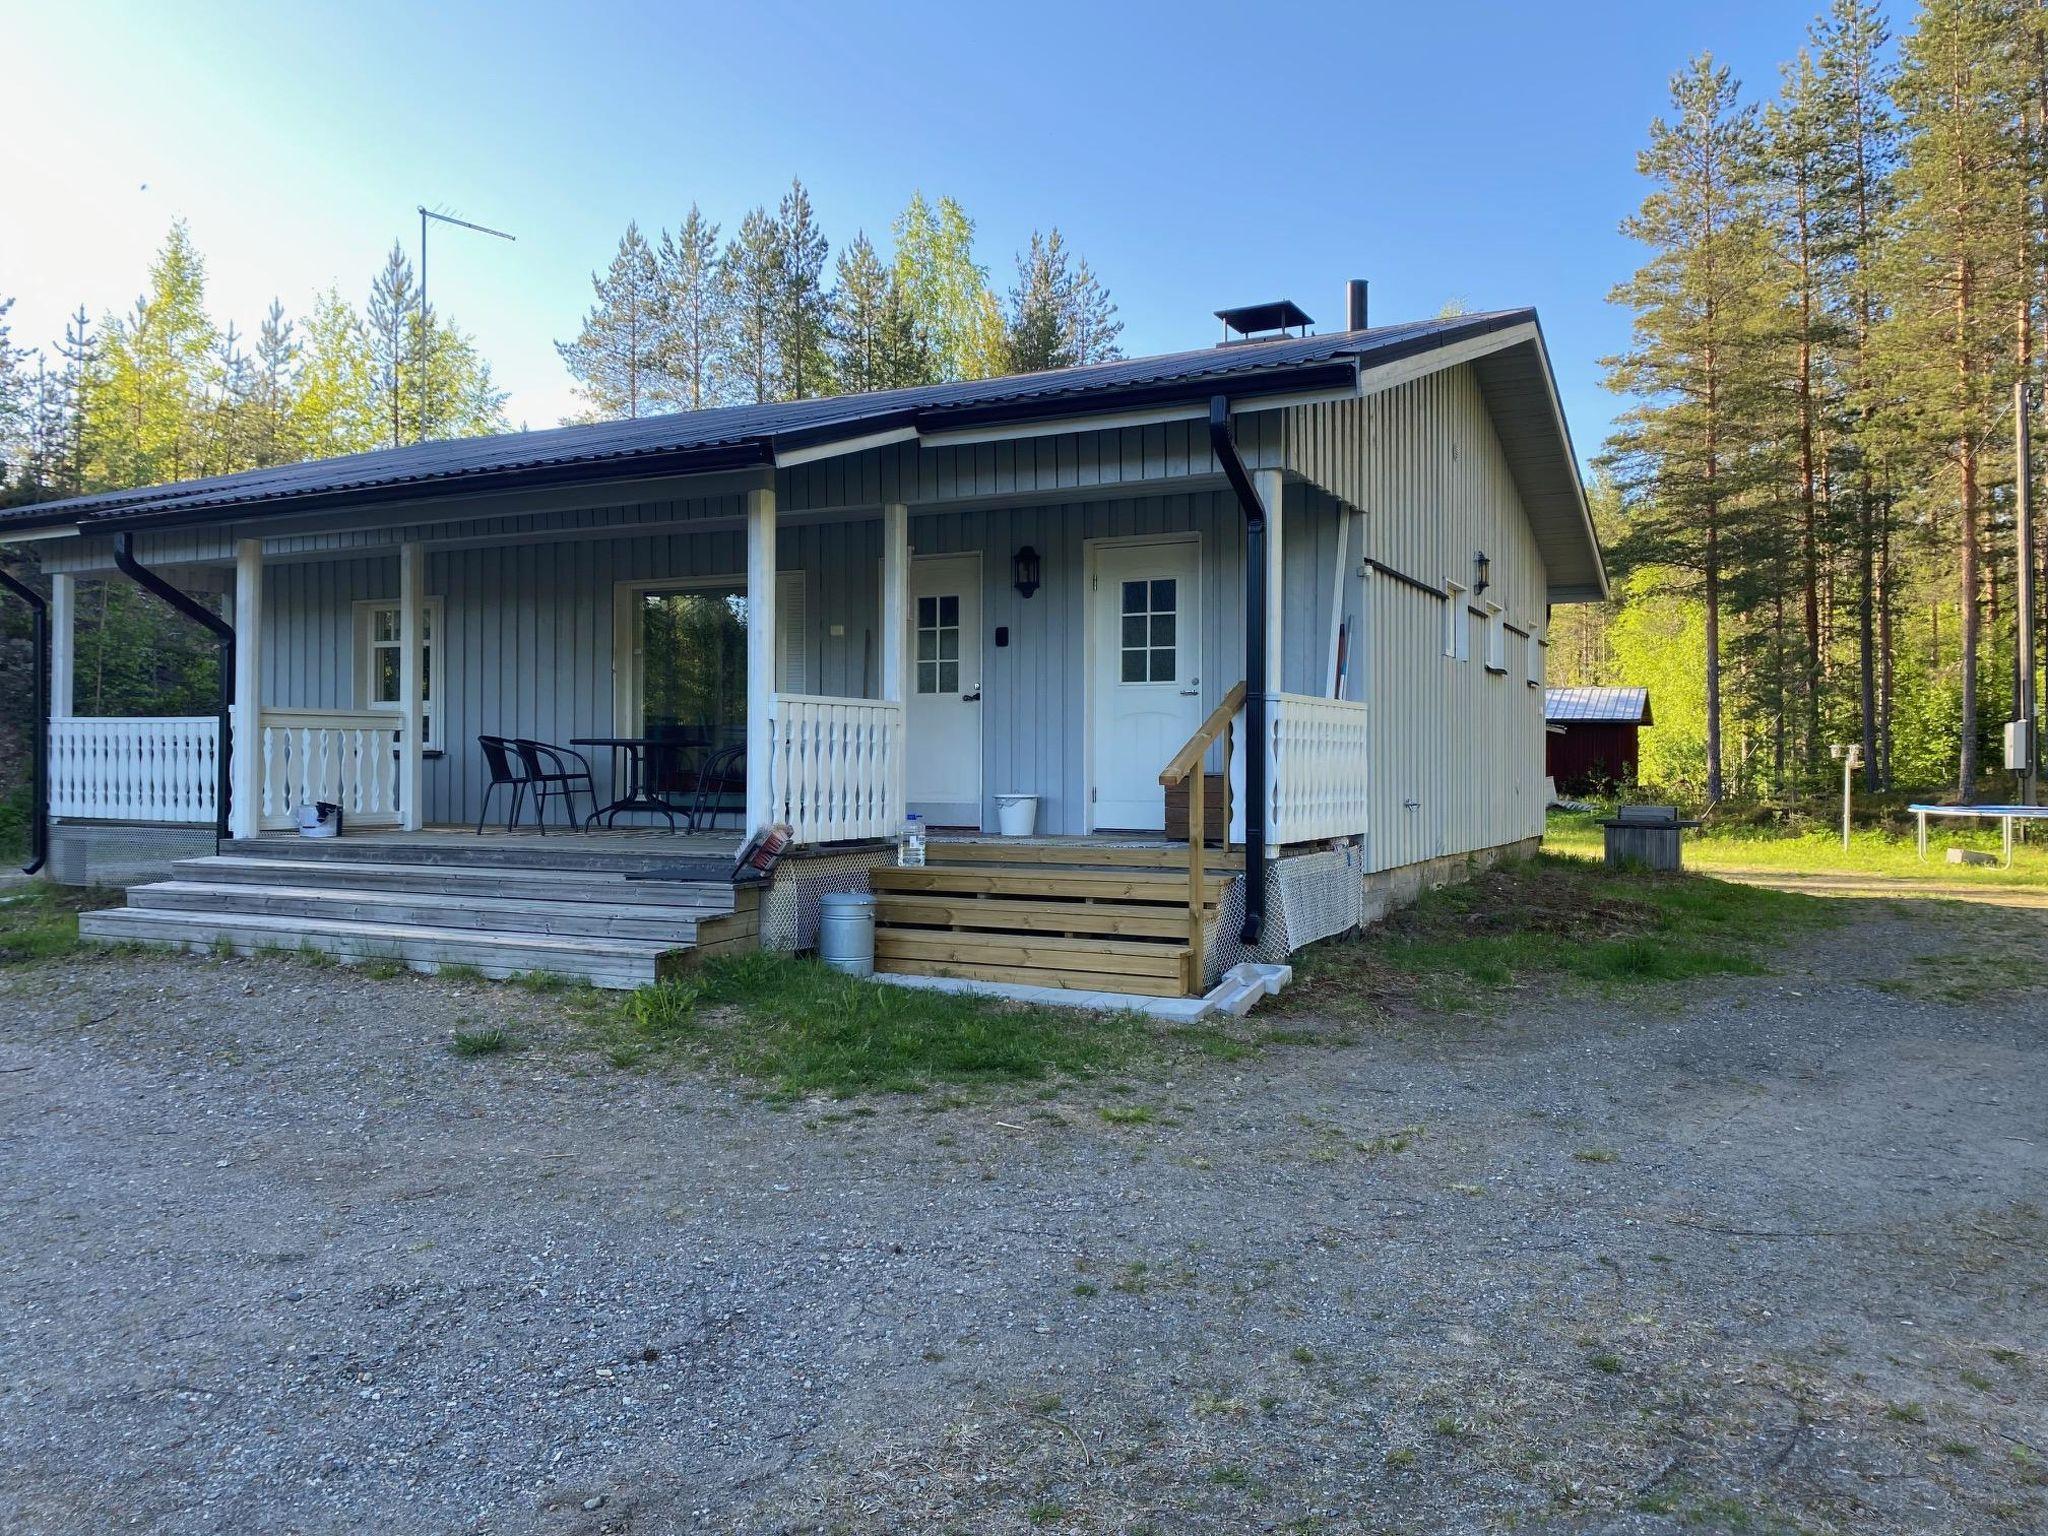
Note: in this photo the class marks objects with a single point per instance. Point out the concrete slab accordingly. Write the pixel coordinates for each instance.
(1180, 1010)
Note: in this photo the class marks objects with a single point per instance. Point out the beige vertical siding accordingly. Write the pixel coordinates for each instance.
(1457, 751)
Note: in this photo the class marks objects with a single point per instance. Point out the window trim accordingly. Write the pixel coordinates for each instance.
(363, 610)
(1496, 639)
(1457, 628)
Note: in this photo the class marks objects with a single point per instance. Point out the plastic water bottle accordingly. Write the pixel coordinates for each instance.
(910, 852)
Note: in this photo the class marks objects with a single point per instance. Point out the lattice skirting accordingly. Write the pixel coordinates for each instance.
(790, 907)
(122, 853)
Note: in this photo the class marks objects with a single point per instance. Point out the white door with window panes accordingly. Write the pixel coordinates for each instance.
(378, 666)
(1145, 691)
(943, 724)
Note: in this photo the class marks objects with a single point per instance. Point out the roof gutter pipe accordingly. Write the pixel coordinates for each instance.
(1224, 444)
(39, 752)
(224, 639)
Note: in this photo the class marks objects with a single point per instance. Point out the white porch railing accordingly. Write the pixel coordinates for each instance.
(832, 766)
(347, 757)
(163, 768)
(1316, 767)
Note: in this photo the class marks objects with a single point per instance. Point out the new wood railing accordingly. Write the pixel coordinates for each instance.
(346, 757)
(1187, 765)
(162, 768)
(832, 767)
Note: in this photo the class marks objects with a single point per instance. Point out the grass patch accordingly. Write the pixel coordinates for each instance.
(480, 1042)
(1549, 916)
(1128, 1114)
(39, 921)
(460, 971)
(807, 1030)
(382, 967)
(1606, 1364)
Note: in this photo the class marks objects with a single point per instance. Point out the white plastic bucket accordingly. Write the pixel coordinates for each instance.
(846, 932)
(322, 820)
(1017, 815)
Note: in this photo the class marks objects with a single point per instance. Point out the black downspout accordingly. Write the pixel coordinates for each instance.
(39, 751)
(224, 637)
(1225, 447)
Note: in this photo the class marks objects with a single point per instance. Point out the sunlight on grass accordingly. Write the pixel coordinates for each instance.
(39, 921)
(806, 1029)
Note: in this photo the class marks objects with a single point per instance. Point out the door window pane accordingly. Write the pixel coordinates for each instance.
(1151, 630)
(938, 643)
(1134, 597)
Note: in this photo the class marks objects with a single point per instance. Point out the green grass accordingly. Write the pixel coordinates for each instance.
(1797, 845)
(39, 921)
(803, 1029)
(480, 1042)
(1554, 916)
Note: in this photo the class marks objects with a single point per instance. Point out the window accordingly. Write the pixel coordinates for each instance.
(1151, 624)
(1496, 640)
(938, 644)
(1536, 650)
(1457, 626)
(378, 661)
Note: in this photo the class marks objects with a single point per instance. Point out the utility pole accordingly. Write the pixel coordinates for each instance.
(439, 218)
(2023, 462)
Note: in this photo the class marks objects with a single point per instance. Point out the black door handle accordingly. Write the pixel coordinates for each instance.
(971, 698)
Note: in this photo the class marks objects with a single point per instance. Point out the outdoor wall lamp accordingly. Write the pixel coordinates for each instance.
(1024, 570)
(1482, 572)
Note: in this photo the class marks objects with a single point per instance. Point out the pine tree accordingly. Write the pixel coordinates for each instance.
(16, 409)
(1676, 453)
(149, 396)
(1059, 312)
(750, 276)
(1955, 271)
(271, 402)
(394, 349)
(693, 317)
(803, 313)
(618, 352)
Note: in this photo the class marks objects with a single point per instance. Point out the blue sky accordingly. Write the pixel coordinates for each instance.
(1199, 155)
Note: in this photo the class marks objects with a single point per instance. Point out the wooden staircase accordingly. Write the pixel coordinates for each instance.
(582, 922)
(1078, 915)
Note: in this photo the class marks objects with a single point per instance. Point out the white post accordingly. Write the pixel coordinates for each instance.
(1340, 578)
(760, 657)
(412, 609)
(245, 753)
(1268, 484)
(63, 645)
(896, 634)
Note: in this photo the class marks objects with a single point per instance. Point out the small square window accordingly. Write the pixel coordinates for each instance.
(927, 645)
(1134, 666)
(1134, 629)
(927, 677)
(949, 677)
(927, 612)
(1163, 600)
(1162, 629)
(1134, 597)
(1163, 665)
(949, 611)
(949, 645)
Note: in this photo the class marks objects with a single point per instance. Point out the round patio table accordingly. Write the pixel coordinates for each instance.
(637, 753)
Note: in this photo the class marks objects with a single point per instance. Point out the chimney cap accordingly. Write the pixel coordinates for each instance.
(1249, 319)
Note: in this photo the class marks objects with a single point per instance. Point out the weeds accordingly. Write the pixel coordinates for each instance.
(40, 922)
(480, 1042)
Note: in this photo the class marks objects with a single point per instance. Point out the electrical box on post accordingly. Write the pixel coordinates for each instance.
(2018, 749)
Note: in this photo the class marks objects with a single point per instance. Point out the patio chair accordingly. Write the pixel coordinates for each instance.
(722, 772)
(556, 771)
(506, 769)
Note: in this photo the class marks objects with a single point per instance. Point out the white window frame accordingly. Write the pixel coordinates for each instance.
(1457, 624)
(365, 610)
(1496, 639)
(1536, 647)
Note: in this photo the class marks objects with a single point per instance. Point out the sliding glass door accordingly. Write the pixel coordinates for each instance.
(693, 667)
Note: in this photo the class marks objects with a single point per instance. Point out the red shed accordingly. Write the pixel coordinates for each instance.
(1592, 736)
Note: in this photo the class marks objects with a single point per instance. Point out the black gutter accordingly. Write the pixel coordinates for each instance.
(1225, 446)
(39, 752)
(224, 639)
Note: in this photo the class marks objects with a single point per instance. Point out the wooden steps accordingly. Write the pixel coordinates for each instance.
(1076, 916)
(579, 921)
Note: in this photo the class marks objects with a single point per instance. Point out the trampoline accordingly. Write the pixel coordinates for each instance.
(2005, 815)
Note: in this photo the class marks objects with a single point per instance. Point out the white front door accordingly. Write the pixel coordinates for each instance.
(1145, 694)
(943, 728)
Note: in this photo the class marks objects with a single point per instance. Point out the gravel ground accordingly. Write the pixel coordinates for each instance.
(1760, 1255)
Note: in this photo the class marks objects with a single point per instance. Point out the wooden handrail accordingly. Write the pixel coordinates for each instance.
(1205, 737)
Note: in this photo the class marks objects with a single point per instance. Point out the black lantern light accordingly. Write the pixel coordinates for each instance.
(1024, 570)
(1482, 572)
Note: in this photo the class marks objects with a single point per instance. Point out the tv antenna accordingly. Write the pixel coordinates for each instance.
(426, 370)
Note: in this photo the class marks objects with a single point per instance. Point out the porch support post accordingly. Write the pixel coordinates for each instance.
(760, 658)
(245, 751)
(63, 645)
(412, 609)
(895, 637)
(1268, 484)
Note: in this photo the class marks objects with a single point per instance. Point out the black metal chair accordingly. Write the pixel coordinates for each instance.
(549, 772)
(506, 767)
(722, 772)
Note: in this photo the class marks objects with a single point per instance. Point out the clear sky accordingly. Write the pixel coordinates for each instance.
(1199, 155)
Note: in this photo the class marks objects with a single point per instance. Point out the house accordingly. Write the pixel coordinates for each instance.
(1591, 746)
(1296, 584)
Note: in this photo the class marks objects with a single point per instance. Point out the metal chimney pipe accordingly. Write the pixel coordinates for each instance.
(1354, 304)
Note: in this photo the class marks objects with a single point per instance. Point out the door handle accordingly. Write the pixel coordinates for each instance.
(971, 698)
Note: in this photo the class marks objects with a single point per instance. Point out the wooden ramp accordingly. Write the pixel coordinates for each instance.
(566, 916)
(1083, 916)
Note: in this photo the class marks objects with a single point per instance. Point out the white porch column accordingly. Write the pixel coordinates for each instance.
(63, 645)
(760, 657)
(412, 562)
(1268, 484)
(245, 754)
(896, 635)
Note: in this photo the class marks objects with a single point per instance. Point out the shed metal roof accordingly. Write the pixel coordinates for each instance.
(1597, 706)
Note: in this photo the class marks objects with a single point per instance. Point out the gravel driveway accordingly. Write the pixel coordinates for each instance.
(1760, 1255)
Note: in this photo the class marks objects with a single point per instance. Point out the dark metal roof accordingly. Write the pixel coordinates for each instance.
(1279, 315)
(1597, 706)
(738, 437)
